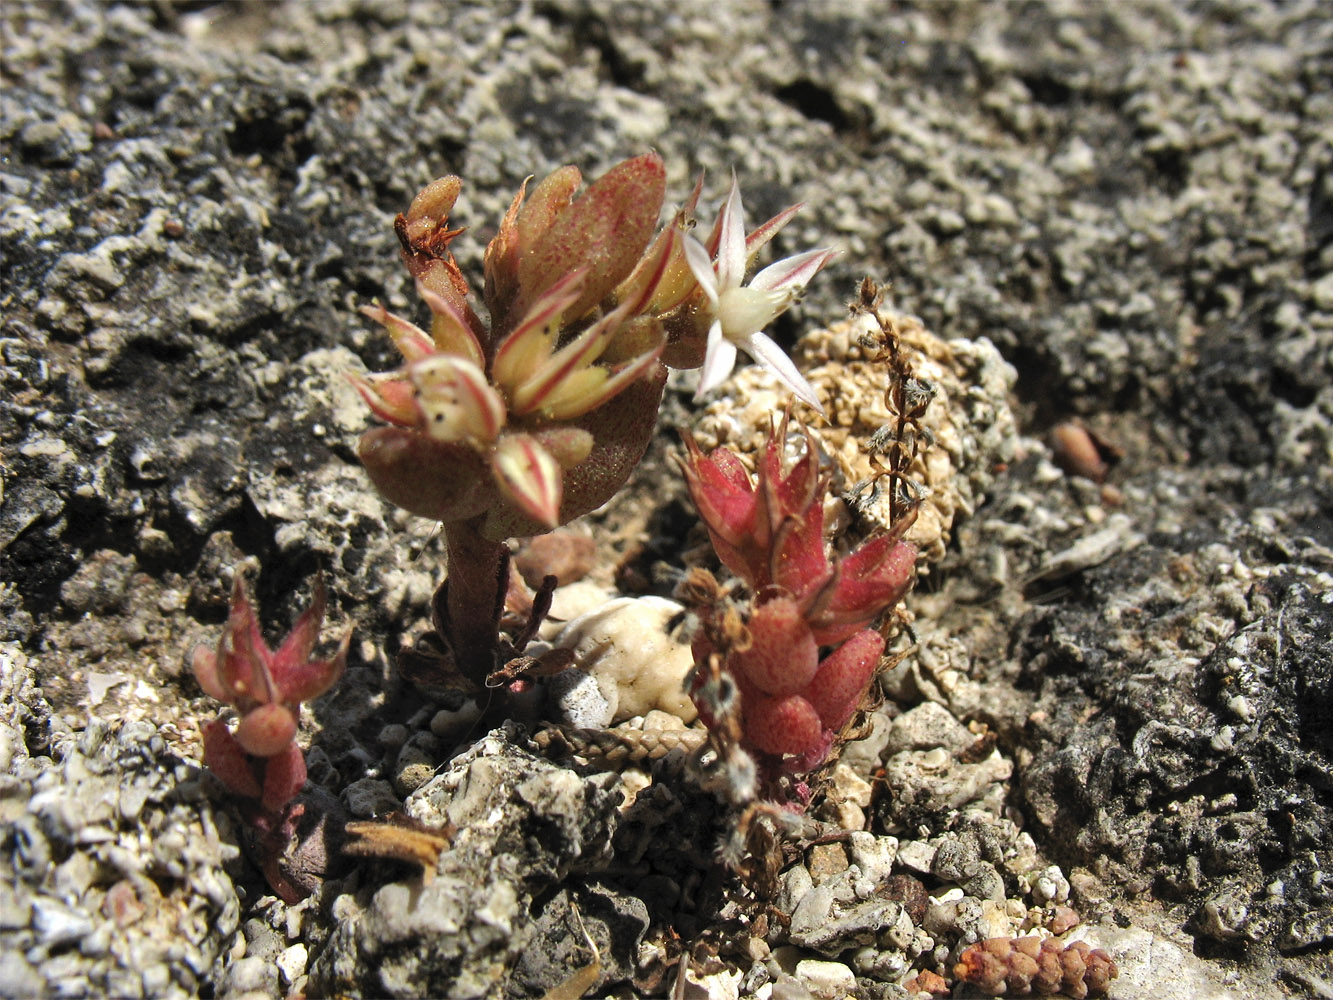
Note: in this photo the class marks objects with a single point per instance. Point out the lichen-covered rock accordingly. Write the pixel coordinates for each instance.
(1131, 201)
(113, 860)
(1259, 647)
(463, 933)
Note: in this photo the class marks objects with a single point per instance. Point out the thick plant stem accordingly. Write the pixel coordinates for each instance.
(477, 582)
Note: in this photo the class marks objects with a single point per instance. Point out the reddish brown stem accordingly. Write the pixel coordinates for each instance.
(478, 578)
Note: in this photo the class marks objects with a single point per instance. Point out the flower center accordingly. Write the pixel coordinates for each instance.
(743, 312)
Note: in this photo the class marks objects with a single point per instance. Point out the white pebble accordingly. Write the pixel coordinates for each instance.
(826, 979)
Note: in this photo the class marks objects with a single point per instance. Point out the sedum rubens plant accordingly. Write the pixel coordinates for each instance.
(517, 424)
(802, 654)
(260, 762)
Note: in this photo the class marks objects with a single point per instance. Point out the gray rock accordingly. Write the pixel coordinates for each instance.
(472, 923)
(615, 921)
(578, 700)
(370, 797)
(250, 976)
(416, 763)
(829, 918)
(1131, 202)
(75, 936)
(926, 727)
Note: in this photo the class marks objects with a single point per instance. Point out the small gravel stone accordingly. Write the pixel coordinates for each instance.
(370, 797)
(826, 980)
(292, 963)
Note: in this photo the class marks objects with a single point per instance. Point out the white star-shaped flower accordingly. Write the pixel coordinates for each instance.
(740, 312)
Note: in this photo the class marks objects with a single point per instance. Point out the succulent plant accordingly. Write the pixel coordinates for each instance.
(539, 417)
(260, 762)
(802, 655)
(513, 426)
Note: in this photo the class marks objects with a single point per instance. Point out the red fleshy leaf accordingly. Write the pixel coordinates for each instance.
(439, 480)
(308, 679)
(843, 678)
(870, 580)
(243, 655)
(266, 730)
(799, 489)
(284, 777)
(727, 502)
(782, 657)
(300, 642)
(226, 759)
(205, 664)
(391, 398)
(788, 724)
(500, 261)
(606, 231)
(798, 563)
(550, 199)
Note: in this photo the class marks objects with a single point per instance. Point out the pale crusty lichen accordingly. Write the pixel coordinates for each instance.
(972, 425)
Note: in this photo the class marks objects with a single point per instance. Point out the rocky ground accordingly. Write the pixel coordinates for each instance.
(1116, 711)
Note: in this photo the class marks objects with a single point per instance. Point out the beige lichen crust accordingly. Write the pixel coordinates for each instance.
(970, 421)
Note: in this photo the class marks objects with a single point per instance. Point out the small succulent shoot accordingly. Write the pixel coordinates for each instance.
(513, 426)
(260, 759)
(804, 660)
(260, 762)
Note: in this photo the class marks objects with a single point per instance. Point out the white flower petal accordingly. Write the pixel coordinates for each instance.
(731, 259)
(792, 272)
(719, 360)
(697, 257)
(762, 348)
(758, 239)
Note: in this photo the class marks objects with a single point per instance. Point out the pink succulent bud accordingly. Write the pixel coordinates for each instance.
(873, 577)
(769, 531)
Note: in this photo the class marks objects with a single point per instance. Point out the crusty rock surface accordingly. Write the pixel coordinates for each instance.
(1131, 204)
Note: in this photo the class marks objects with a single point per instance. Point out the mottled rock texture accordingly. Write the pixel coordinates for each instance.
(1132, 202)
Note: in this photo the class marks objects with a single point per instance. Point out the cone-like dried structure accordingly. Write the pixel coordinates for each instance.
(1027, 965)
